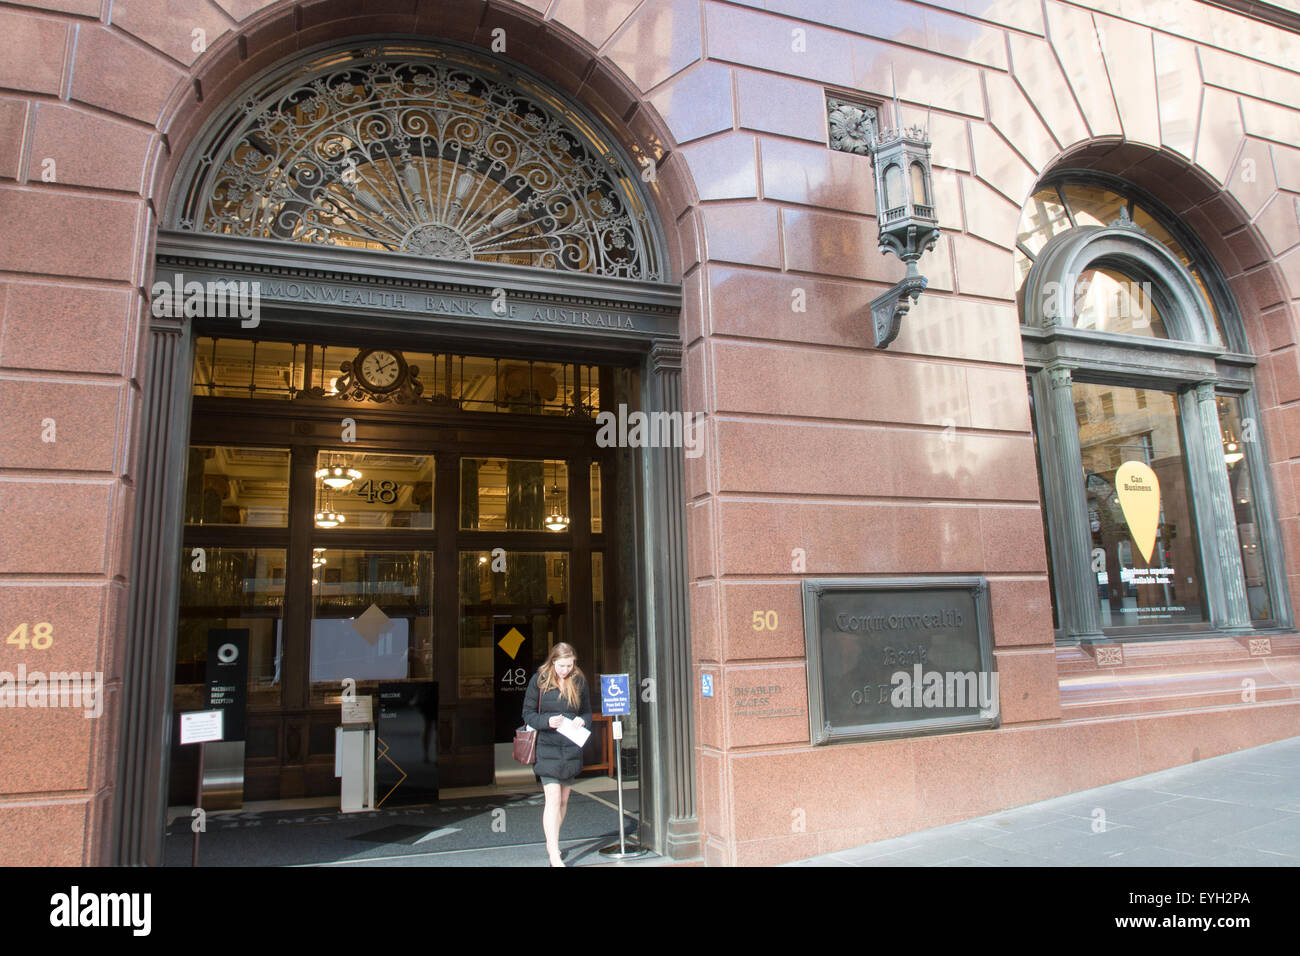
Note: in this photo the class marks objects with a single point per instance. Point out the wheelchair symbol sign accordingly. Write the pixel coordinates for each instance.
(706, 685)
(614, 695)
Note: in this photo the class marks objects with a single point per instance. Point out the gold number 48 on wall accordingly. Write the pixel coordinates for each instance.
(41, 640)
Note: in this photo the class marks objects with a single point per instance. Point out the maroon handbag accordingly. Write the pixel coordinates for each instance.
(525, 746)
(525, 750)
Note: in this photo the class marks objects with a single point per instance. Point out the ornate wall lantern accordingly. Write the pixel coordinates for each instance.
(905, 217)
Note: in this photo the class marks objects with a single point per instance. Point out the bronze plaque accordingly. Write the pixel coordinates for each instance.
(897, 657)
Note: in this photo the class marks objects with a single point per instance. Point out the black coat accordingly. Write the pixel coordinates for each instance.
(557, 755)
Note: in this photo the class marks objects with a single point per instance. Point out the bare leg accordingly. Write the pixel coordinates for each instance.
(551, 817)
(564, 802)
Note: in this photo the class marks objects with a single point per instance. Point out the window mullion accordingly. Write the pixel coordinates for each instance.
(1080, 615)
(1224, 580)
(1269, 538)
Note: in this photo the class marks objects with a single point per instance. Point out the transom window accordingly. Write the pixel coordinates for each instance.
(1155, 503)
(436, 152)
(1063, 206)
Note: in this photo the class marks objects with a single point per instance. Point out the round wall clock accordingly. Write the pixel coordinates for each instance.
(379, 370)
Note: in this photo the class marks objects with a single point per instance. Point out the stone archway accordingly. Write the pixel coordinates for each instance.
(274, 33)
(1245, 223)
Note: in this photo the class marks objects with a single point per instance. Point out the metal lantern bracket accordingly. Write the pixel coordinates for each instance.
(888, 308)
(905, 216)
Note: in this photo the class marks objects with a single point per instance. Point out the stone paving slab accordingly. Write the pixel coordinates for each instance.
(1239, 809)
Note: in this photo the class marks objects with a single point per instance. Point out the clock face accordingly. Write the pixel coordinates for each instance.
(380, 370)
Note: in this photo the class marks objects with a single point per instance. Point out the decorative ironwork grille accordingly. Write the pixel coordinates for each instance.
(433, 152)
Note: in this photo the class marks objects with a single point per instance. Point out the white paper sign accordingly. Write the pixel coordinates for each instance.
(358, 710)
(571, 730)
(200, 726)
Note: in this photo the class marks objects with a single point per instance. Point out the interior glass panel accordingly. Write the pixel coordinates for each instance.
(1245, 507)
(232, 485)
(511, 494)
(1145, 553)
(374, 490)
(1106, 300)
(372, 620)
(231, 589)
(524, 590)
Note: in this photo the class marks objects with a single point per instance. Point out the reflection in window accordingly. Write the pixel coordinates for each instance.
(511, 494)
(1109, 301)
(1245, 508)
(227, 485)
(1043, 218)
(528, 590)
(1092, 205)
(248, 369)
(372, 619)
(375, 489)
(1055, 209)
(230, 589)
(1143, 535)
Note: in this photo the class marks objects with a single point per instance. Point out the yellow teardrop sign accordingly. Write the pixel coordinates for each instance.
(1139, 496)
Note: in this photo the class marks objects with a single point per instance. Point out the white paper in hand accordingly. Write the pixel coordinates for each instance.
(575, 733)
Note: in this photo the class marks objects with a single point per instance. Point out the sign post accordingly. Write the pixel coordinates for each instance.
(198, 727)
(615, 701)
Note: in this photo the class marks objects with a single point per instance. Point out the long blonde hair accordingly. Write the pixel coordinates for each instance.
(547, 679)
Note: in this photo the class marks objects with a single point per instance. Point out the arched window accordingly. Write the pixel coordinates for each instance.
(436, 152)
(1156, 503)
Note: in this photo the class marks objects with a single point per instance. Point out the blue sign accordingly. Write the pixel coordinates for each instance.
(614, 700)
(706, 685)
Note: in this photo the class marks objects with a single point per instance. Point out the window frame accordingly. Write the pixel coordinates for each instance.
(1197, 367)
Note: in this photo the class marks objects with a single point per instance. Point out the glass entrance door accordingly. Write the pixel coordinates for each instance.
(430, 564)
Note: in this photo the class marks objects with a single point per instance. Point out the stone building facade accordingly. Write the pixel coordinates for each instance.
(823, 456)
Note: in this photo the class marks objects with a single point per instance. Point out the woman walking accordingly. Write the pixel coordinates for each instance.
(557, 690)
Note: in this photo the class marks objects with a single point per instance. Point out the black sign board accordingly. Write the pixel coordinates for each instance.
(227, 678)
(406, 748)
(896, 657)
(512, 668)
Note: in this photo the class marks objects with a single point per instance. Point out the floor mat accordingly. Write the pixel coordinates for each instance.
(507, 828)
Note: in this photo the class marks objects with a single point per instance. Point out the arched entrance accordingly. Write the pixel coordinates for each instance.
(427, 270)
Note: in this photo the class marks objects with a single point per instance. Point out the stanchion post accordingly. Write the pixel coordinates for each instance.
(618, 761)
(616, 701)
(198, 805)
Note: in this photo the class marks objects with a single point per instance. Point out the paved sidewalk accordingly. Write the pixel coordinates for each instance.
(1241, 809)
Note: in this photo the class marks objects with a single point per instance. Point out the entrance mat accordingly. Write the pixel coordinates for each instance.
(397, 833)
(506, 827)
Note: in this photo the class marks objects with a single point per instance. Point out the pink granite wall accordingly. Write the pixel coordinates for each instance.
(815, 442)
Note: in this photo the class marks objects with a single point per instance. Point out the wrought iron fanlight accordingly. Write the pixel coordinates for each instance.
(431, 151)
